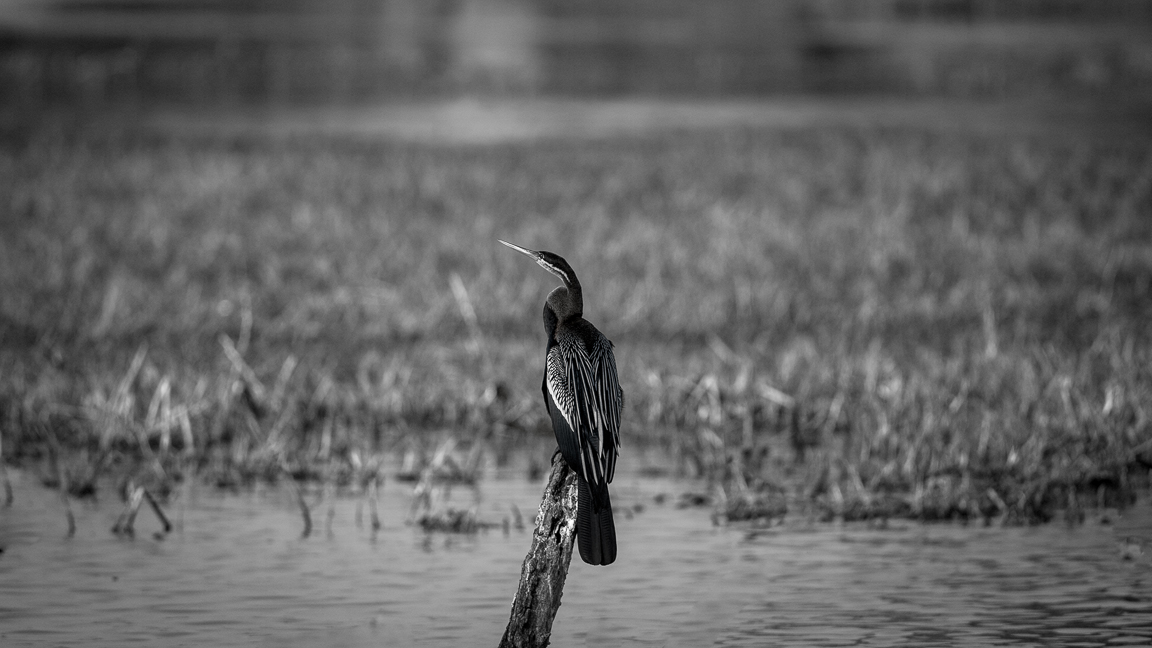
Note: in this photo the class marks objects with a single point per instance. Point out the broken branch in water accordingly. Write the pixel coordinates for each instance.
(67, 506)
(546, 565)
(158, 511)
(125, 524)
(307, 515)
(373, 495)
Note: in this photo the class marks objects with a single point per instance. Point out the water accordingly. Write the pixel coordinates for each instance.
(236, 572)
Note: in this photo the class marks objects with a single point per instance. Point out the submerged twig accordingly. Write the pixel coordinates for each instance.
(158, 511)
(330, 496)
(61, 477)
(304, 512)
(125, 524)
(546, 565)
(517, 518)
(68, 512)
(4, 475)
(67, 507)
(373, 495)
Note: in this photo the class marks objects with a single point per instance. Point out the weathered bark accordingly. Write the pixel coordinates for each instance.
(546, 565)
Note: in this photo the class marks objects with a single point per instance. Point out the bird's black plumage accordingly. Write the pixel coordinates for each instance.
(582, 392)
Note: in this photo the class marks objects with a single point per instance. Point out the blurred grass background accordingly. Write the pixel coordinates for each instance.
(919, 305)
(866, 320)
(213, 52)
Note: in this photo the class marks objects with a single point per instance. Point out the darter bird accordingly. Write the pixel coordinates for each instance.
(584, 400)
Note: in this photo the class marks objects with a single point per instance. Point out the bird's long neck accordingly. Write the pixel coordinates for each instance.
(567, 301)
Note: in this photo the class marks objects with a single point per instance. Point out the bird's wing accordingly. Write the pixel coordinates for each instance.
(562, 408)
(610, 399)
(573, 382)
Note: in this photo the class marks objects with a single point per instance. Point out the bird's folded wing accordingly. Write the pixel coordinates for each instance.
(586, 391)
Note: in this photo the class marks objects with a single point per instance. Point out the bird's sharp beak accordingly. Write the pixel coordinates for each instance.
(531, 253)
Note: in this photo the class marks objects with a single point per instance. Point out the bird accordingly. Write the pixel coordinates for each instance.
(582, 393)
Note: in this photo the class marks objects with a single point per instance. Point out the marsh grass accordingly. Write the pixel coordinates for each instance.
(855, 322)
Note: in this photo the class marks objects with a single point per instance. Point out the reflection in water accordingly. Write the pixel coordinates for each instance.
(237, 573)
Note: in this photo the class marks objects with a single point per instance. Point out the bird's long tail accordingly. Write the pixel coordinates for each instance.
(595, 532)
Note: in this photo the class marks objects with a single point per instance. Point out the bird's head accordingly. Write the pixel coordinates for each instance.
(565, 301)
(552, 262)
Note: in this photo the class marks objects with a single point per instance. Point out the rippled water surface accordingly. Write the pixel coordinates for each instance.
(236, 572)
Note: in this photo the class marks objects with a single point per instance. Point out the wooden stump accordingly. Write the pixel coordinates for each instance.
(546, 565)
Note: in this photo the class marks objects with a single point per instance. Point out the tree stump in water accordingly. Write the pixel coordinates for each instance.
(546, 565)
